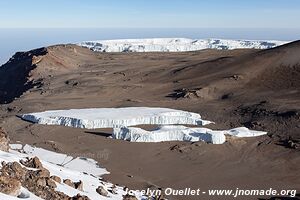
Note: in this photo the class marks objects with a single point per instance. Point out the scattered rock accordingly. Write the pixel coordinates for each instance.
(56, 178)
(79, 197)
(114, 190)
(79, 185)
(71, 82)
(69, 183)
(100, 190)
(185, 93)
(293, 145)
(50, 183)
(41, 182)
(3, 163)
(13, 170)
(10, 186)
(13, 109)
(43, 173)
(10, 109)
(4, 140)
(175, 147)
(121, 73)
(192, 93)
(290, 142)
(129, 197)
(236, 77)
(41, 185)
(13, 176)
(32, 163)
(180, 148)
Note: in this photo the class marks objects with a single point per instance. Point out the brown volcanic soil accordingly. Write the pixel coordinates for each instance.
(258, 89)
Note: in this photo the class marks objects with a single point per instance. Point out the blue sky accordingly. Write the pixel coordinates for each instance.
(150, 13)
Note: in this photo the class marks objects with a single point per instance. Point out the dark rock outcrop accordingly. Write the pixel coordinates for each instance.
(15, 74)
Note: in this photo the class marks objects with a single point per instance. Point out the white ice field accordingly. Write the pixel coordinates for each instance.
(181, 133)
(176, 44)
(122, 120)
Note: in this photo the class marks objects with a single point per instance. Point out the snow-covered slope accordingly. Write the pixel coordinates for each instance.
(181, 133)
(24, 192)
(114, 117)
(65, 167)
(80, 164)
(175, 44)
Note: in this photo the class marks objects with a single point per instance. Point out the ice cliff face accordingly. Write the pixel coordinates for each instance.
(181, 133)
(114, 117)
(169, 133)
(175, 45)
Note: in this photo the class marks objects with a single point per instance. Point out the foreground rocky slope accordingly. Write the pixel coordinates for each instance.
(24, 176)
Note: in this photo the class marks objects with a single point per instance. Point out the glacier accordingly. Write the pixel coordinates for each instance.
(94, 118)
(169, 133)
(176, 44)
(181, 133)
(170, 123)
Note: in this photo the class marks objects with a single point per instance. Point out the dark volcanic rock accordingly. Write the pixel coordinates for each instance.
(186, 93)
(15, 74)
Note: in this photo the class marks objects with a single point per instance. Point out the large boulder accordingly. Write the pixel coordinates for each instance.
(129, 197)
(4, 140)
(100, 190)
(10, 186)
(32, 163)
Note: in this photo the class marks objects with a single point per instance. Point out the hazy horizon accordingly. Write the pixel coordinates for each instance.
(21, 39)
(228, 19)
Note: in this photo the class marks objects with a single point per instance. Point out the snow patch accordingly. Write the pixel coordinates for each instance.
(245, 132)
(81, 164)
